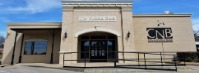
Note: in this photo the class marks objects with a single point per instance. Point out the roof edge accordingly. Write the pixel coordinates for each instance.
(95, 4)
(65, 1)
(159, 15)
(33, 23)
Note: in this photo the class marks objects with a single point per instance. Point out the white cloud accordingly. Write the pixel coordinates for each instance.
(3, 33)
(35, 6)
(195, 23)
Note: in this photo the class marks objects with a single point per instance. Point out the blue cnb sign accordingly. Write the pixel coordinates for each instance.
(159, 35)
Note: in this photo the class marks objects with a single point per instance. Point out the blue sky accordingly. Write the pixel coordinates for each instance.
(51, 11)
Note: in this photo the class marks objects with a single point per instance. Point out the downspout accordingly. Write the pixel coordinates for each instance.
(122, 36)
(13, 52)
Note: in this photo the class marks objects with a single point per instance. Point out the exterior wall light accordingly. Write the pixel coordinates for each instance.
(128, 34)
(65, 35)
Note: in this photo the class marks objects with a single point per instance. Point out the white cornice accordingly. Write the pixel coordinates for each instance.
(34, 23)
(86, 4)
(162, 15)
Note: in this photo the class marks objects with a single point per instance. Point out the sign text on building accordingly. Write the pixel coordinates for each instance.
(97, 18)
(159, 35)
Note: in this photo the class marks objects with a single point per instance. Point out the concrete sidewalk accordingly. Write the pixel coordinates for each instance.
(185, 70)
(57, 69)
(25, 69)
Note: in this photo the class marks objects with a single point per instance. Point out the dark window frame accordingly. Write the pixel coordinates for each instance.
(89, 39)
(32, 51)
(197, 48)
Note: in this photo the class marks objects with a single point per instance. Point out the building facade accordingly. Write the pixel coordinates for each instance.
(98, 32)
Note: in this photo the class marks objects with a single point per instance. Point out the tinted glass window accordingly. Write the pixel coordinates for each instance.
(35, 47)
(85, 49)
(84, 37)
(111, 37)
(98, 37)
(111, 49)
(28, 48)
(40, 47)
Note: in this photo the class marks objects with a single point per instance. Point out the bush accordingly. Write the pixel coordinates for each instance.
(188, 59)
(188, 56)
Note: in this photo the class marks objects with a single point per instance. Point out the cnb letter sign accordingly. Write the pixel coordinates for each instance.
(159, 35)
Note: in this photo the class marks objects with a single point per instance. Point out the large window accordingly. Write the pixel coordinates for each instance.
(35, 47)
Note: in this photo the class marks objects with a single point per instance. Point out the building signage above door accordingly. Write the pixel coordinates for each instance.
(97, 18)
(159, 34)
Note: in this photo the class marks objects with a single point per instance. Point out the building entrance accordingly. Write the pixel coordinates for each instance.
(98, 47)
(98, 51)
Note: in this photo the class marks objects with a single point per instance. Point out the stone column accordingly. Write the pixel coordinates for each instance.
(128, 33)
(67, 36)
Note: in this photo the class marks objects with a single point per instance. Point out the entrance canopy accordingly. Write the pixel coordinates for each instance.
(34, 26)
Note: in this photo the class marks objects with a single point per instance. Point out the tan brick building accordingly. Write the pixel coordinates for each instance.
(98, 32)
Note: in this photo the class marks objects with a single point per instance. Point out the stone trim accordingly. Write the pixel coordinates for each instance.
(34, 24)
(162, 15)
(98, 29)
(66, 4)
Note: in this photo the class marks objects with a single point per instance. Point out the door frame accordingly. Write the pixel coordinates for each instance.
(102, 58)
(108, 38)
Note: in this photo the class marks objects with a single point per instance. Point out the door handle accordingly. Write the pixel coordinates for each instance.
(92, 53)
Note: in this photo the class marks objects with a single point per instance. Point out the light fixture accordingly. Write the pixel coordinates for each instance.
(65, 35)
(128, 34)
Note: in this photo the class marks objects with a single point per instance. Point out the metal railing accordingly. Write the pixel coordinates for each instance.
(173, 61)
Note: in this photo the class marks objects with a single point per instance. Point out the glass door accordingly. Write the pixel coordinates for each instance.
(111, 50)
(98, 48)
(98, 51)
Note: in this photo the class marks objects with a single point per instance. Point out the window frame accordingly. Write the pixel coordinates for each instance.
(32, 46)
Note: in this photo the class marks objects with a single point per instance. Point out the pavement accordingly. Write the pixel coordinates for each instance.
(30, 69)
(25, 69)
